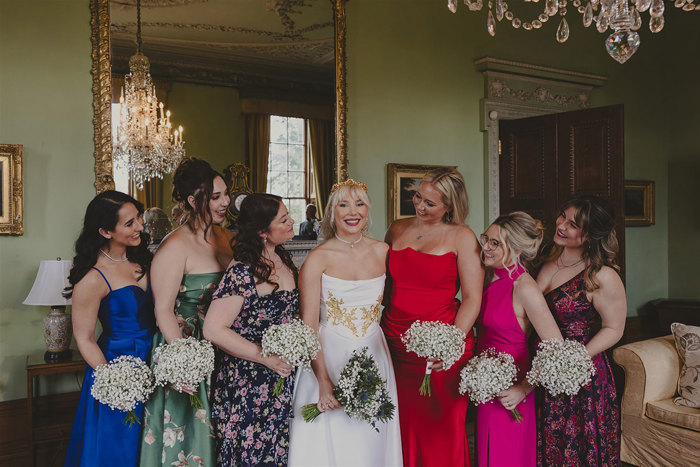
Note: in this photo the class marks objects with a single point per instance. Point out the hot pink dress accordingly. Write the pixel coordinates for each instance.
(500, 440)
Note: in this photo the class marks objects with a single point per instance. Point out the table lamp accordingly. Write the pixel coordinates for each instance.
(47, 290)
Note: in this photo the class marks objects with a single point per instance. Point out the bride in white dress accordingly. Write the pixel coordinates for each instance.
(341, 285)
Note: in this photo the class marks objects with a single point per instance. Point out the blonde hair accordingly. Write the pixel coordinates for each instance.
(521, 236)
(158, 223)
(450, 183)
(328, 223)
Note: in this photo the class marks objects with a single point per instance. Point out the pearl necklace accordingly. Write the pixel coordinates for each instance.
(113, 259)
(353, 243)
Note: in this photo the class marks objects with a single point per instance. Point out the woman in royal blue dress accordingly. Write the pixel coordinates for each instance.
(109, 282)
(258, 290)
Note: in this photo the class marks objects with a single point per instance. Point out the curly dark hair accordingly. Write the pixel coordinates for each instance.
(103, 213)
(596, 217)
(194, 177)
(258, 210)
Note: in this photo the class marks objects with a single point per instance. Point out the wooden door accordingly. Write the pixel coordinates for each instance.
(545, 161)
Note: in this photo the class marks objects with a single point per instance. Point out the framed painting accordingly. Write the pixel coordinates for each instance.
(639, 203)
(402, 182)
(11, 190)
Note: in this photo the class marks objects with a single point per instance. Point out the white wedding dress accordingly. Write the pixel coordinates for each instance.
(349, 320)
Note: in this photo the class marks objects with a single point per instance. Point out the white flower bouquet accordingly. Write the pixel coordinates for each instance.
(486, 375)
(295, 342)
(361, 391)
(434, 340)
(183, 364)
(123, 383)
(561, 367)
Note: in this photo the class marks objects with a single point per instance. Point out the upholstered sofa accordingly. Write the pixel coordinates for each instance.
(655, 431)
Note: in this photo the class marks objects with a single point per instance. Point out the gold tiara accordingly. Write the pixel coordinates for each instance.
(348, 182)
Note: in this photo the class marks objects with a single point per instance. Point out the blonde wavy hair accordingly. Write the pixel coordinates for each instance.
(596, 217)
(521, 236)
(450, 183)
(328, 222)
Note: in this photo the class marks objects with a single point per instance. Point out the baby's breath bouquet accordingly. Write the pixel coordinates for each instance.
(361, 391)
(122, 383)
(486, 375)
(295, 342)
(561, 367)
(183, 364)
(434, 340)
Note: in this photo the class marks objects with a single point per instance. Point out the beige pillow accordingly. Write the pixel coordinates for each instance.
(688, 346)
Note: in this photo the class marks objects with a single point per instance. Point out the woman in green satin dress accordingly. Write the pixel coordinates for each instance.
(186, 269)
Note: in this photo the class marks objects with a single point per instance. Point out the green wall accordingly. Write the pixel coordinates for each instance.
(213, 123)
(45, 105)
(414, 98)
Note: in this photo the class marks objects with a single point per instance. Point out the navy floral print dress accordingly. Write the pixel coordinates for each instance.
(252, 425)
(583, 429)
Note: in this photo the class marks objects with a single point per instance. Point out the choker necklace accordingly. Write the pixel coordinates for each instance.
(113, 259)
(353, 243)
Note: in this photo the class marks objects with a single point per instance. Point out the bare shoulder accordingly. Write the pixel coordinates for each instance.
(526, 287)
(377, 245)
(398, 227)
(608, 277)
(91, 283)
(176, 239)
(464, 236)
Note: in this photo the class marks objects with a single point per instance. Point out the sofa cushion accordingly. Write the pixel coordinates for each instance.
(666, 411)
(688, 346)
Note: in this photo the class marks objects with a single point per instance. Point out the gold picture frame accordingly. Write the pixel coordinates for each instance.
(639, 203)
(11, 190)
(402, 179)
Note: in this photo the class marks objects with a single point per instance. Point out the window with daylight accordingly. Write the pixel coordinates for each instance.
(289, 170)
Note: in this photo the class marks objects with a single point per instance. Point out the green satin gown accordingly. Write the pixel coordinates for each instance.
(175, 433)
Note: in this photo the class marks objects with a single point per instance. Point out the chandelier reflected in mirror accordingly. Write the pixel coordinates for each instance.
(622, 17)
(146, 144)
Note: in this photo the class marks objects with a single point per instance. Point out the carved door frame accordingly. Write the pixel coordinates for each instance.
(520, 90)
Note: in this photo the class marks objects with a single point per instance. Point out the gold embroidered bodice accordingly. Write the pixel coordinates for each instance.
(352, 308)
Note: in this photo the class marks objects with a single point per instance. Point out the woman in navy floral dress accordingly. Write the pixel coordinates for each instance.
(258, 289)
(587, 298)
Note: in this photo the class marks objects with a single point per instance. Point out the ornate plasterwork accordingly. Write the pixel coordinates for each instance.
(519, 90)
(293, 35)
(341, 98)
(12, 198)
(101, 94)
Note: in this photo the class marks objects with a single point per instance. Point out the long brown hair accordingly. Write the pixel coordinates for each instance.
(258, 210)
(597, 220)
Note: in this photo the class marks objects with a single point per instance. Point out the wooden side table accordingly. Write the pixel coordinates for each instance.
(36, 366)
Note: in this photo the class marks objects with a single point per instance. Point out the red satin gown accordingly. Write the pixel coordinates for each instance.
(433, 431)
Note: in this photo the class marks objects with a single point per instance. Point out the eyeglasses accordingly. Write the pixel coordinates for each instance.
(485, 241)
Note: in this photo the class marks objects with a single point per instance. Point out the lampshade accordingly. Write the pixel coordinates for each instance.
(48, 286)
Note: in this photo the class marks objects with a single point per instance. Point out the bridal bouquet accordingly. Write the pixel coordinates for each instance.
(122, 383)
(183, 364)
(361, 391)
(434, 340)
(561, 367)
(486, 375)
(295, 342)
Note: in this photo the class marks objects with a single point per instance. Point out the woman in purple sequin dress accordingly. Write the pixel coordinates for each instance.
(585, 294)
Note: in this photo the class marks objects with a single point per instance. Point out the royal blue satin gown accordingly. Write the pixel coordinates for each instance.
(99, 436)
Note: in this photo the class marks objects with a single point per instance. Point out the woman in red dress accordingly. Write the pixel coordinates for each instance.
(432, 256)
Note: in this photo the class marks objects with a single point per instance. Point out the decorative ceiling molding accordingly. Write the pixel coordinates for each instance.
(156, 3)
(295, 35)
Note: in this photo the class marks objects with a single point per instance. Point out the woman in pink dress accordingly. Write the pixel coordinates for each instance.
(432, 256)
(511, 306)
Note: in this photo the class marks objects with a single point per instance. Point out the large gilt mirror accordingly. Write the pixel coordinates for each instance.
(216, 63)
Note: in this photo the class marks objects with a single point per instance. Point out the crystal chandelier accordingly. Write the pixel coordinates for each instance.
(144, 143)
(622, 17)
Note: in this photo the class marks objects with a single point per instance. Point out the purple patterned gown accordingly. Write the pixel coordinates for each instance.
(252, 425)
(583, 429)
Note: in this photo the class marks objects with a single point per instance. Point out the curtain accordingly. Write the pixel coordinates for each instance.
(322, 144)
(152, 194)
(257, 147)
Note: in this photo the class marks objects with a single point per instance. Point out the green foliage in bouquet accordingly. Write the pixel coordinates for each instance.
(361, 391)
